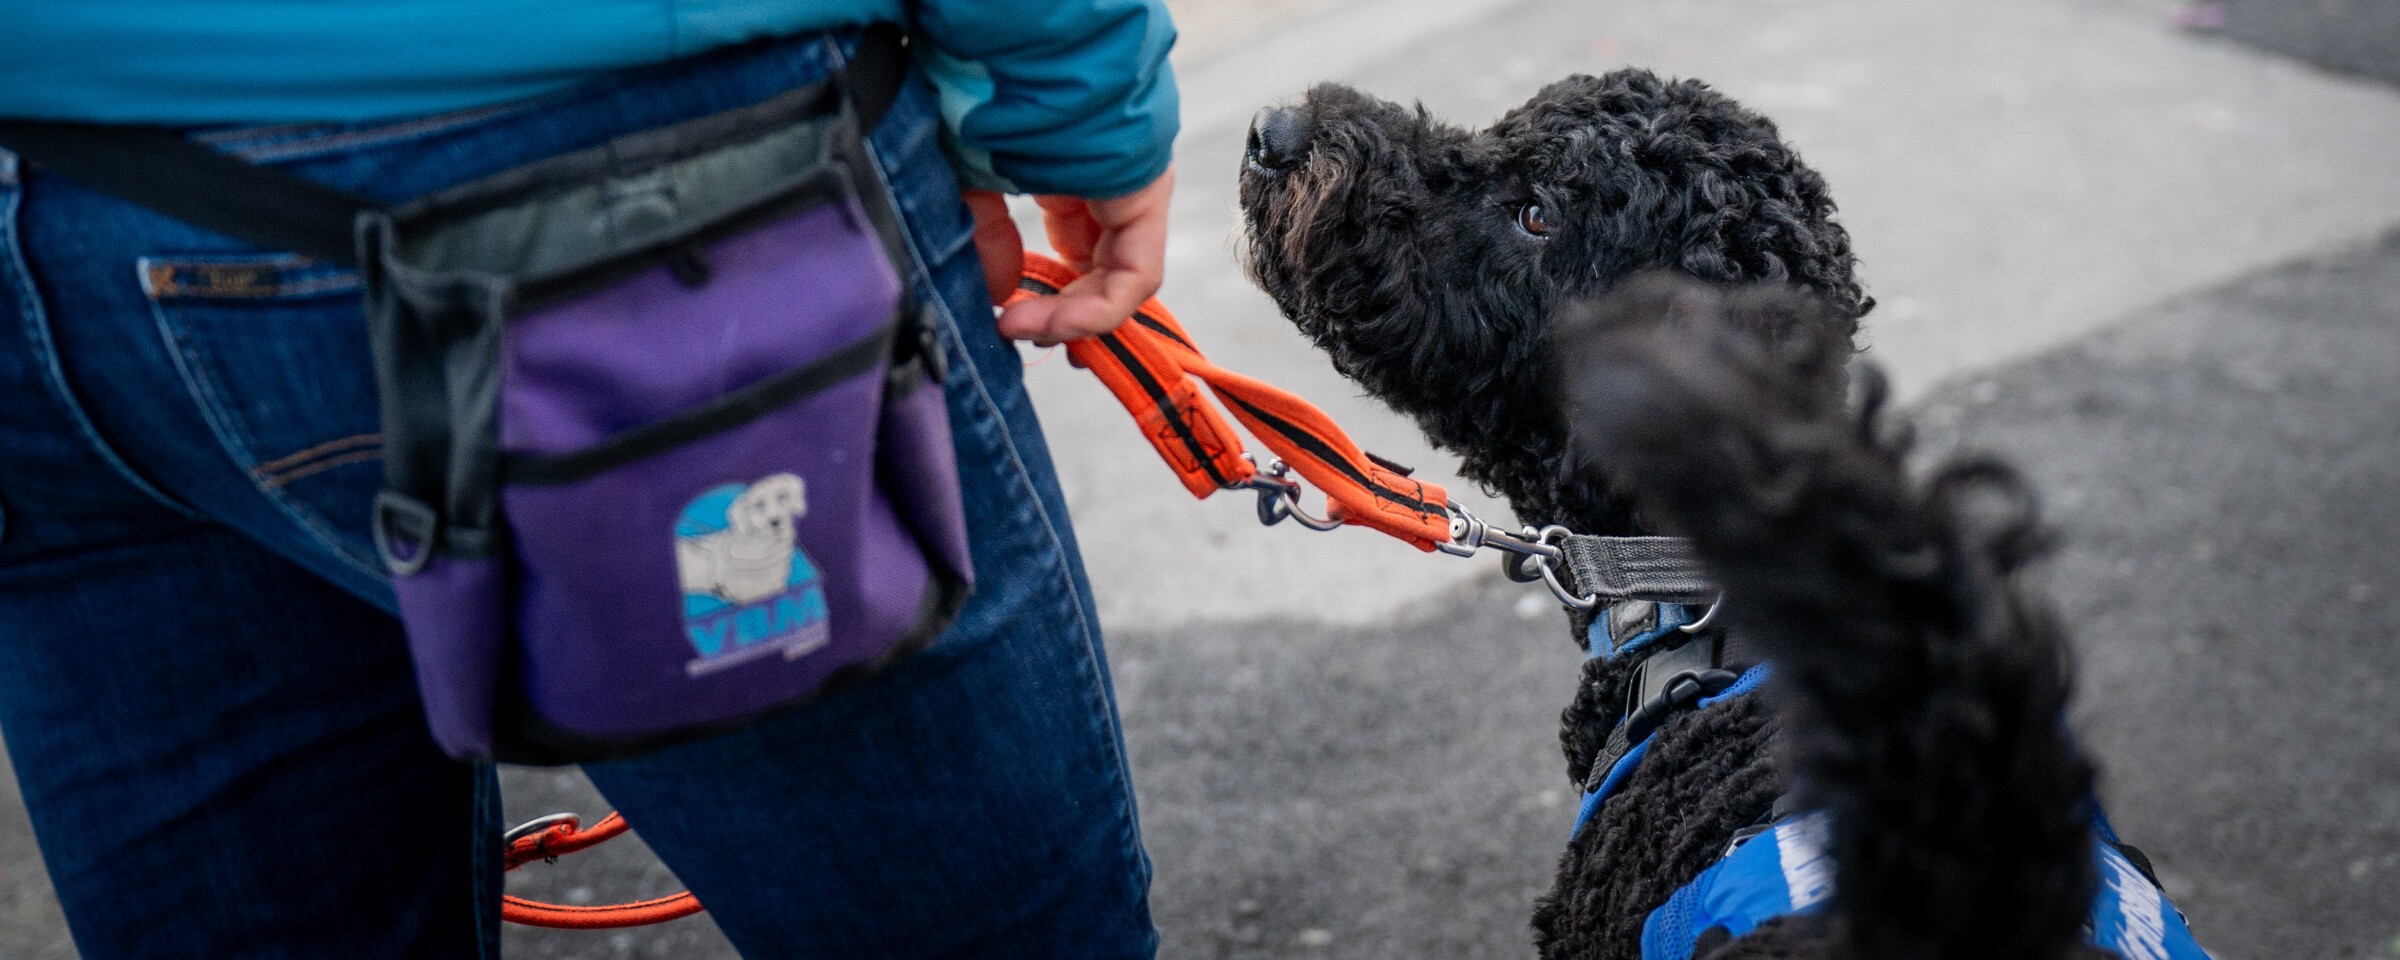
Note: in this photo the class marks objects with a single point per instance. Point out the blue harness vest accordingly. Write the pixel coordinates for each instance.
(1788, 869)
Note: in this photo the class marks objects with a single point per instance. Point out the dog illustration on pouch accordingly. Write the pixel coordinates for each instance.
(751, 558)
(1627, 306)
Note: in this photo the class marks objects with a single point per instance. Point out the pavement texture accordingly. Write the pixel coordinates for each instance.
(2361, 36)
(2156, 269)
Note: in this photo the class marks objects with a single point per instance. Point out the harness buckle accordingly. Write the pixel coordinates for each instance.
(1674, 678)
(1679, 691)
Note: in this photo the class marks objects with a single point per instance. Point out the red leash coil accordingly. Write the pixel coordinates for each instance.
(563, 836)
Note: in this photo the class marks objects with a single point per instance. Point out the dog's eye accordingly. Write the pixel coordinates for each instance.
(1531, 220)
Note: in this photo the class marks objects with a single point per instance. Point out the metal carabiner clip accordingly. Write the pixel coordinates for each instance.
(537, 825)
(1529, 549)
(1469, 533)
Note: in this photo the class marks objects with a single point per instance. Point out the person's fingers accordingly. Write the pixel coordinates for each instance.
(997, 243)
(1072, 230)
(1093, 304)
(1133, 241)
(1119, 244)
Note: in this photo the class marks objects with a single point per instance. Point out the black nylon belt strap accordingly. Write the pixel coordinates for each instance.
(158, 168)
(875, 72)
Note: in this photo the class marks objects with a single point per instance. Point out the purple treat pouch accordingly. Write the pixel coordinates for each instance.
(665, 446)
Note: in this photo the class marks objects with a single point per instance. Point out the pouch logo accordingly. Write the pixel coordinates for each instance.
(749, 591)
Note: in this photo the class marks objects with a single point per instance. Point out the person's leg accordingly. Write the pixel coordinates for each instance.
(974, 801)
(981, 783)
(210, 775)
(222, 755)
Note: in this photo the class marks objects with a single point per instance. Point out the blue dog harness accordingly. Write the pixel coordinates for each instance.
(1788, 868)
(1675, 677)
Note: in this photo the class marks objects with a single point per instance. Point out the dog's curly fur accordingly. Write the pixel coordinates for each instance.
(1924, 695)
(1394, 245)
(1583, 373)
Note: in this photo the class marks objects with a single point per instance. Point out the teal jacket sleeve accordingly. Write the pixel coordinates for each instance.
(1053, 96)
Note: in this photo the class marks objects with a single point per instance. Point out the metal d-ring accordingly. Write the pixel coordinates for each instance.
(1546, 565)
(1279, 496)
(1706, 618)
(1319, 524)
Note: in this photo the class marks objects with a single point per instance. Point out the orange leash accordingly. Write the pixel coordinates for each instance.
(1155, 370)
(550, 837)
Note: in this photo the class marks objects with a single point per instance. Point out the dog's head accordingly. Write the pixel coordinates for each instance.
(767, 508)
(1426, 259)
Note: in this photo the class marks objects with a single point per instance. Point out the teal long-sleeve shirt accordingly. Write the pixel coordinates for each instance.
(1042, 96)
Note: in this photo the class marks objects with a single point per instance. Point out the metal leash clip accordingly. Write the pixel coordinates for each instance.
(1525, 556)
(1279, 496)
(537, 825)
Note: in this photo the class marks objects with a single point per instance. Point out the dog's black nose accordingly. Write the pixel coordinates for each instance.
(1279, 137)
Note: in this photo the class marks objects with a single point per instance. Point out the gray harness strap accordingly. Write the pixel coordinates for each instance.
(1662, 569)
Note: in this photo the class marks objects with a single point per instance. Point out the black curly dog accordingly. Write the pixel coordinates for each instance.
(1919, 697)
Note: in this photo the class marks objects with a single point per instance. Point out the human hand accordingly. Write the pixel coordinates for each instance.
(1119, 245)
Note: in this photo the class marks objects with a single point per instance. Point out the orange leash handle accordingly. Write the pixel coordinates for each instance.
(1189, 434)
(566, 836)
(1150, 364)
(1359, 490)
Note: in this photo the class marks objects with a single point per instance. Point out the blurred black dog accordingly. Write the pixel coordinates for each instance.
(1695, 384)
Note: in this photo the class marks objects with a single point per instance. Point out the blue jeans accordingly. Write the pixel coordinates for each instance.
(208, 702)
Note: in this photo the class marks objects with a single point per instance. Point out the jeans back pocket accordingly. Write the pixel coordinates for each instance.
(273, 349)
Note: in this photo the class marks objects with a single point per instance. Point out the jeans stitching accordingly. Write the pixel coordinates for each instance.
(173, 289)
(297, 277)
(278, 481)
(1021, 476)
(290, 460)
(234, 441)
(35, 320)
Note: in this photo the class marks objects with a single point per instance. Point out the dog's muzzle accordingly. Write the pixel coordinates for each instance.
(1279, 138)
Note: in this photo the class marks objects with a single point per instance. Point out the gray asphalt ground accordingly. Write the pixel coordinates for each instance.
(2158, 271)
(2341, 34)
